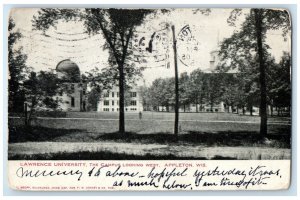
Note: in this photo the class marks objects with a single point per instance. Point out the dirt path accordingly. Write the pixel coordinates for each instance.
(253, 153)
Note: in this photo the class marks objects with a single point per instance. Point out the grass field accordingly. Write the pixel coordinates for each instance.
(170, 116)
(213, 127)
(158, 122)
(199, 130)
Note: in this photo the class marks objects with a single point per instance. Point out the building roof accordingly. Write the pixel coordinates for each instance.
(68, 70)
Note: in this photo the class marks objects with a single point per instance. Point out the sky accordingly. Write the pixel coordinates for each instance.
(69, 41)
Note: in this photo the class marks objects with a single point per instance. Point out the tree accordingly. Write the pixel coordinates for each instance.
(39, 92)
(248, 45)
(184, 90)
(230, 88)
(212, 82)
(278, 83)
(93, 97)
(196, 88)
(117, 27)
(162, 93)
(17, 70)
(146, 98)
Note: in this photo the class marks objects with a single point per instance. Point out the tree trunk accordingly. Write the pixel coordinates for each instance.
(121, 100)
(262, 74)
(25, 114)
(251, 110)
(271, 110)
(201, 104)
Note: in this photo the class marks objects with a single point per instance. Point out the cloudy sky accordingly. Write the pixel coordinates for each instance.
(68, 41)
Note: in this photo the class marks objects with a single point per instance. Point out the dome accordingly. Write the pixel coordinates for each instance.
(68, 70)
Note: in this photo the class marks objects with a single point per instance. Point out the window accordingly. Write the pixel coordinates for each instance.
(132, 94)
(112, 94)
(133, 103)
(117, 94)
(216, 110)
(112, 102)
(72, 102)
(118, 102)
(106, 102)
(106, 109)
(112, 109)
(106, 94)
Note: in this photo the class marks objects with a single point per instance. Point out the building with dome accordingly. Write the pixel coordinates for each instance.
(72, 94)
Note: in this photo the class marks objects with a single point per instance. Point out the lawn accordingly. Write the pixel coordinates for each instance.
(214, 131)
(204, 134)
(158, 122)
(170, 116)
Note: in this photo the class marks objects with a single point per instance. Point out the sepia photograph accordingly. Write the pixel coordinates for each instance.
(149, 84)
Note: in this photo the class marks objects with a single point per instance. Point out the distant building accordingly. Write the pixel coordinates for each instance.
(218, 107)
(72, 94)
(109, 101)
(214, 59)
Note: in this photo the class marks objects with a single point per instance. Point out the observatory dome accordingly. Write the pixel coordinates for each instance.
(68, 70)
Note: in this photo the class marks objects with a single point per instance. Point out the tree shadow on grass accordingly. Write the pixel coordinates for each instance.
(37, 133)
(279, 138)
(222, 138)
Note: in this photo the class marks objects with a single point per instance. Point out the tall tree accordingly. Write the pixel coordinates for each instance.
(145, 94)
(117, 27)
(249, 45)
(162, 93)
(184, 90)
(17, 70)
(93, 97)
(279, 83)
(196, 89)
(212, 82)
(40, 90)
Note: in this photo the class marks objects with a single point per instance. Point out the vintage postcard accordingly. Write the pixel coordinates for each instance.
(149, 99)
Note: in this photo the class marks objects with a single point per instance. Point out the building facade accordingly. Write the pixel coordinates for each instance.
(109, 101)
(218, 107)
